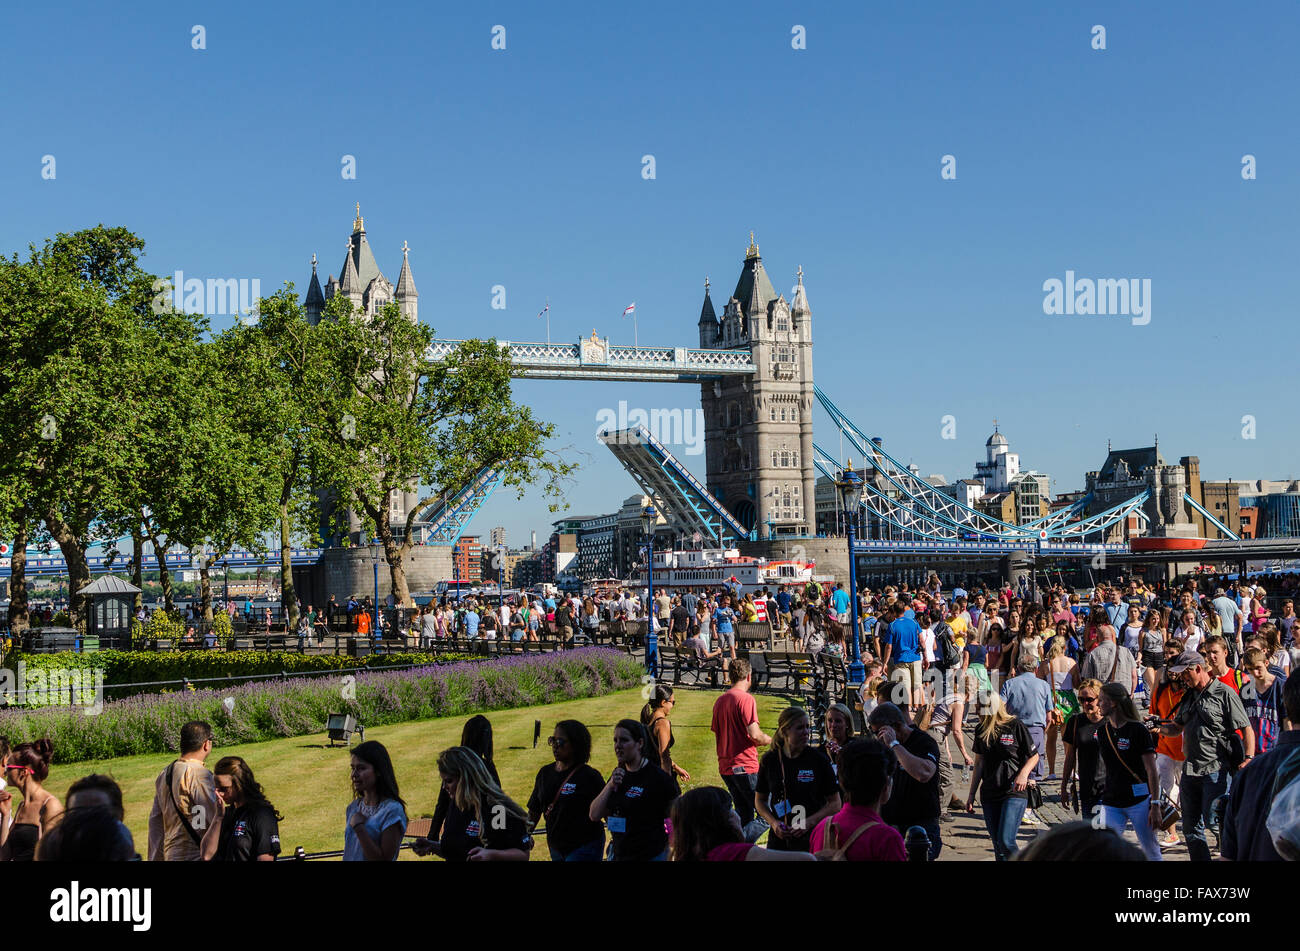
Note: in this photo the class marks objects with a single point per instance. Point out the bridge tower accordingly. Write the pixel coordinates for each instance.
(366, 286)
(759, 429)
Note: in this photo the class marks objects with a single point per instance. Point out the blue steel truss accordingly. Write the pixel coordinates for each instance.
(53, 563)
(926, 513)
(686, 502)
(1212, 520)
(453, 516)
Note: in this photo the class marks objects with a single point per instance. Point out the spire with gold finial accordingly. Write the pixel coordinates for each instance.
(358, 225)
(752, 250)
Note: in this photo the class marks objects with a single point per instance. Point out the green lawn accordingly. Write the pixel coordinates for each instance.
(308, 782)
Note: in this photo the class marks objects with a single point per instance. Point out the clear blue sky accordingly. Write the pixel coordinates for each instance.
(523, 168)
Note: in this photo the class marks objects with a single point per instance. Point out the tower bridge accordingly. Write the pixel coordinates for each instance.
(754, 366)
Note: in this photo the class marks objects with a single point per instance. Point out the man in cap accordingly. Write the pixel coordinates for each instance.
(1207, 717)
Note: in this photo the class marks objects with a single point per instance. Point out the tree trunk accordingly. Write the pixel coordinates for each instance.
(205, 587)
(137, 567)
(19, 619)
(393, 556)
(288, 597)
(164, 573)
(78, 569)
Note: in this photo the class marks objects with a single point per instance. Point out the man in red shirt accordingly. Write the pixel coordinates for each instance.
(735, 724)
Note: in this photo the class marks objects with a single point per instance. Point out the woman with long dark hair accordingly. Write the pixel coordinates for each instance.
(483, 823)
(563, 793)
(376, 817)
(1129, 752)
(707, 829)
(654, 717)
(246, 826)
(796, 787)
(636, 800)
(26, 766)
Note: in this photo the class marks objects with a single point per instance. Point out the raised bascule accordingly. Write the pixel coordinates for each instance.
(754, 366)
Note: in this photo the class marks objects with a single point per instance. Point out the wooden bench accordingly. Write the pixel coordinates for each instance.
(753, 635)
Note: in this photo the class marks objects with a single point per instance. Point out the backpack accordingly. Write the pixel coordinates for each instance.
(831, 850)
(949, 655)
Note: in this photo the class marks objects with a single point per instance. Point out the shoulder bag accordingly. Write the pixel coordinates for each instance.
(1170, 812)
(185, 821)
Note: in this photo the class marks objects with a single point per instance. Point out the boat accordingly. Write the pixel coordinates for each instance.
(718, 567)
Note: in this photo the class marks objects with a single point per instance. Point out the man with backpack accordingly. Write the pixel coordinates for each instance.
(1246, 836)
(185, 800)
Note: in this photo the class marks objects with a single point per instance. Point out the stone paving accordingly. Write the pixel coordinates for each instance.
(966, 839)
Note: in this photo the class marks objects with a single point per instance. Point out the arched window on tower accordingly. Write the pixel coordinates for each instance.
(783, 414)
(785, 458)
(775, 463)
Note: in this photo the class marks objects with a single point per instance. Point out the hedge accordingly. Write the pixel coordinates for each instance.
(139, 667)
(265, 710)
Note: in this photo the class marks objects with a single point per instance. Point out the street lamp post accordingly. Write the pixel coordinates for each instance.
(376, 631)
(649, 517)
(850, 488)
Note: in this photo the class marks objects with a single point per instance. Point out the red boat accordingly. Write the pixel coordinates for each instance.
(1166, 544)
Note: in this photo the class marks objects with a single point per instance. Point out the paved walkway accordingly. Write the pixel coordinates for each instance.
(966, 839)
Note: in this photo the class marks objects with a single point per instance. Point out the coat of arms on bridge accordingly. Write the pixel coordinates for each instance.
(595, 350)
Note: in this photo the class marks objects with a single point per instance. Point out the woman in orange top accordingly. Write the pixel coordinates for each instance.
(1169, 749)
(363, 624)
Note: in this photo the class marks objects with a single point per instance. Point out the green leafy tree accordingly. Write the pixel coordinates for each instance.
(77, 316)
(385, 421)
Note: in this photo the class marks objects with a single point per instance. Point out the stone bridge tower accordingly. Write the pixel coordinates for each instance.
(758, 430)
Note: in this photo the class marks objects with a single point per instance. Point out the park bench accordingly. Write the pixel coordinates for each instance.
(753, 635)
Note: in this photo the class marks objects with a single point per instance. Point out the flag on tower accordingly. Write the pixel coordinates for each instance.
(629, 309)
(544, 310)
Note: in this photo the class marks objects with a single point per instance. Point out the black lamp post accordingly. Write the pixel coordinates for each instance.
(649, 518)
(850, 488)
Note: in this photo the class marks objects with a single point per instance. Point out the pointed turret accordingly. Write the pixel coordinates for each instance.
(799, 306)
(348, 283)
(754, 289)
(708, 322)
(315, 299)
(406, 295)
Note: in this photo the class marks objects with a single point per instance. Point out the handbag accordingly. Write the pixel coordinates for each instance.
(1034, 796)
(1170, 812)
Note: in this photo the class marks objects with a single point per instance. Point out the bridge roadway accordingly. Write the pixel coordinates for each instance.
(593, 358)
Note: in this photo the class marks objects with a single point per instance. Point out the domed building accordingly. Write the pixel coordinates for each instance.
(1000, 466)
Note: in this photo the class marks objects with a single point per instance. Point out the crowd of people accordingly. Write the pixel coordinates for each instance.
(1171, 711)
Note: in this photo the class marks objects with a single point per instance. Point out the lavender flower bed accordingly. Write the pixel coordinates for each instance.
(151, 723)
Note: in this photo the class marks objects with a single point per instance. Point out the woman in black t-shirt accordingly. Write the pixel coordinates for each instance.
(636, 800)
(476, 735)
(1005, 755)
(1083, 753)
(1130, 757)
(796, 787)
(246, 826)
(564, 791)
(483, 823)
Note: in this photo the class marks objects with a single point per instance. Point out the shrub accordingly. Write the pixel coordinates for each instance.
(151, 723)
(143, 667)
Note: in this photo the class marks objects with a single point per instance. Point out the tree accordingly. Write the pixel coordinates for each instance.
(76, 315)
(224, 466)
(275, 359)
(384, 421)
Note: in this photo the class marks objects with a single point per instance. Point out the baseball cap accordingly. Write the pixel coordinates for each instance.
(1185, 661)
